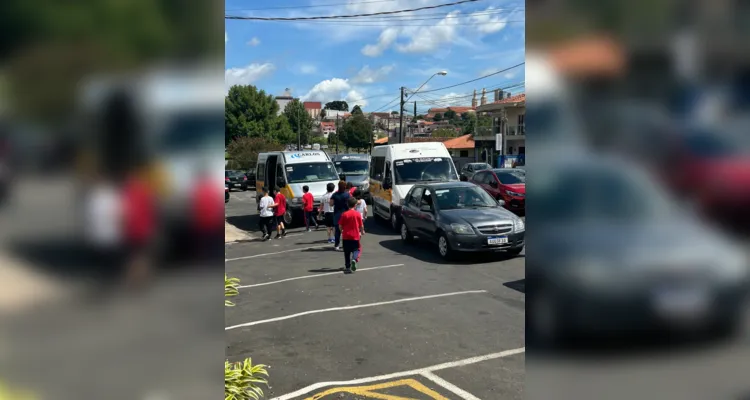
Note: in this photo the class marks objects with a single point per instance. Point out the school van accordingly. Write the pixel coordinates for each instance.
(395, 168)
(290, 171)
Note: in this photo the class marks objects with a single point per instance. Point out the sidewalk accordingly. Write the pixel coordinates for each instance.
(21, 287)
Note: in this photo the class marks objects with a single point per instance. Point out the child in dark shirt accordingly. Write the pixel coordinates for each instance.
(352, 229)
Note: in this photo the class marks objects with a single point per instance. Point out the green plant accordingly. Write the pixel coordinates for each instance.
(242, 380)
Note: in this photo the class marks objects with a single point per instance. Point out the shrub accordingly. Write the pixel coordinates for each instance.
(242, 380)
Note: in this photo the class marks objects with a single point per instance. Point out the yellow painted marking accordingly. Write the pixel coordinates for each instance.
(368, 391)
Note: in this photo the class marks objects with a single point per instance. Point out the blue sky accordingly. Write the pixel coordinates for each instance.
(365, 61)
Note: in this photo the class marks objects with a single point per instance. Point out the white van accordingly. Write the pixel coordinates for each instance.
(395, 168)
(291, 170)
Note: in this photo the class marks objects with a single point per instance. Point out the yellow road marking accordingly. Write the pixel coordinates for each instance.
(367, 391)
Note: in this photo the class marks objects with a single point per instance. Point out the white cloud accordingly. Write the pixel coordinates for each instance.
(489, 21)
(248, 74)
(387, 37)
(368, 75)
(430, 38)
(509, 75)
(253, 42)
(308, 69)
(336, 89)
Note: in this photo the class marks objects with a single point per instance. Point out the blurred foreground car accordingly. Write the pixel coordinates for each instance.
(460, 217)
(623, 257)
(507, 184)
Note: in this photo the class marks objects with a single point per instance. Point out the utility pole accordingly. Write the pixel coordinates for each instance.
(415, 109)
(337, 133)
(401, 117)
(299, 131)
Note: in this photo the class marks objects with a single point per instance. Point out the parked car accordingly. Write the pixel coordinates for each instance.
(624, 258)
(508, 184)
(460, 217)
(468, 170)
(235, 179)
(226, 193)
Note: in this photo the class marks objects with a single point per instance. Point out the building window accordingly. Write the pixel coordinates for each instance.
(464, 153)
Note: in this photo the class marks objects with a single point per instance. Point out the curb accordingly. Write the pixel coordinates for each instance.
(232, 234)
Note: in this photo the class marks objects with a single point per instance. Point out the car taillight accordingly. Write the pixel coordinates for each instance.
(244, 178)
(226, 179)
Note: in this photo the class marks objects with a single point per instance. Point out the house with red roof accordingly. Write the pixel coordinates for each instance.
(313, 108)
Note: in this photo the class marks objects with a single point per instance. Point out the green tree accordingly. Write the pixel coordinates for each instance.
(322, 114)
(420, 116)
(444, 132)
(438, 117)
(394, 112)
(356, 132)
(243, 151)
(471, 120)
(337, 105)
(299, 120)
(356, 110)
(449, 115)
(249, 112)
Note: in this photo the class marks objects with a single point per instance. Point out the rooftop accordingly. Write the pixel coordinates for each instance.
(461, 142)
(312, 105)
(456, 109)
(519, 98)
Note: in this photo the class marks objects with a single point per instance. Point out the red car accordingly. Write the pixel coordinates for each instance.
(504, 184)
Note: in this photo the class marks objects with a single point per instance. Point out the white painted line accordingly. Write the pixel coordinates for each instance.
(321, 274)
(452, 364)
(449, 386)
(278, 252)
(382, 303)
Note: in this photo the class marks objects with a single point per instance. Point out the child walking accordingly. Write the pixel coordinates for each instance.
(326, 209)
(307, 207)
(361, 204)
(266, 214)
(279, 207)
(352, 229)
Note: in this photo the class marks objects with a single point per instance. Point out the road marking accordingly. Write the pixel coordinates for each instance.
(382, 303)
(449, 386)
(452, 364)
(278, 252)
(316, 276)
(368, 391)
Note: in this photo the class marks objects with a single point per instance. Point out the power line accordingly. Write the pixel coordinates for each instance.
(388, 25)
(474, 80)
(349, 16)
(423, 17)
(312, 6)
(395, 100)
(469, 95)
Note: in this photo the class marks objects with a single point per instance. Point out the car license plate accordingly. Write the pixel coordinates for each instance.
(682, 302)
(497, 240)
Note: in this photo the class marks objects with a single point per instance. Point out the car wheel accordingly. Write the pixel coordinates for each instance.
(406, 236)
(543, 325)
(394, 221)
(288, 218)
(516, 251)
(444, 247)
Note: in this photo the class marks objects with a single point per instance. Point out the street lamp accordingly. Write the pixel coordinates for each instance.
(401, 109)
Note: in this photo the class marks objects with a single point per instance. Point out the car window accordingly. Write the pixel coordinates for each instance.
(464, 197)
(426, 199)
(478, 177)
(415, 197)
(508, 178)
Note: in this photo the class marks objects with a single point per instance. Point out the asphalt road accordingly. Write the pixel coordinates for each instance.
(406, 324)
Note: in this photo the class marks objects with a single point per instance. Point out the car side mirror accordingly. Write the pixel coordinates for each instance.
(464, 178)
(342, 176)
(501, 203)
(378, 177)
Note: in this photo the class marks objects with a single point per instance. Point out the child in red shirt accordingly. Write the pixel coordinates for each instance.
(352, 229)
(351, 188)
(307, 208)
(279, 207)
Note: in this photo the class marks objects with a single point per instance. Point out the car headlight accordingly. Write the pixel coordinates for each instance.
(365, 185)
(519, 225)
(461, 229)
(511, 193)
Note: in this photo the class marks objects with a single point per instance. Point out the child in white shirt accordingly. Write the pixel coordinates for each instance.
(361, 206)
(266, 214)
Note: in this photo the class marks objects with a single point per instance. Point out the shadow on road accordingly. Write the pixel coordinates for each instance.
(427, 252)
(378, 227)
(67, 258)
(245, 222)
(519, 285)
(325, 270)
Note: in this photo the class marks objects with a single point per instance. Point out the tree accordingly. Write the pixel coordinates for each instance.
(472, 121)
(449, 115)
(420, 116)
(243, 151)
(252, 113)
(337, 105)
(356, 132)
(394, 112)
(414, 119)
(356, 110)
(438, 117)
(322, 114)
(444, 132)
(299, 120)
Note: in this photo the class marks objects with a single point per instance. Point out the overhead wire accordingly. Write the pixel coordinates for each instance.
(318, 17)
(474, 80)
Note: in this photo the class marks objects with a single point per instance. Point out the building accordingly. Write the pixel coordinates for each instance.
(332, 114)
(283, 100)
(327, 127)
(313, 108)
(457, 109)
(462, 150)
(508, 114)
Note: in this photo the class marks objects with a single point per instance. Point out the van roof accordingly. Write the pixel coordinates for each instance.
(341, 157)
(406, 150)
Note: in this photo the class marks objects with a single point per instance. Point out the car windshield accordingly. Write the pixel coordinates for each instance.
(234, 174)
(426, 169)
(480, 167)
(310, 172)
(510, 178)
(605, 195)
(353, 167)
(463, 197)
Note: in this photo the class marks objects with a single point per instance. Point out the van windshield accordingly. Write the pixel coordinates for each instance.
(311, 172)
(353, 167)
(426, 169)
